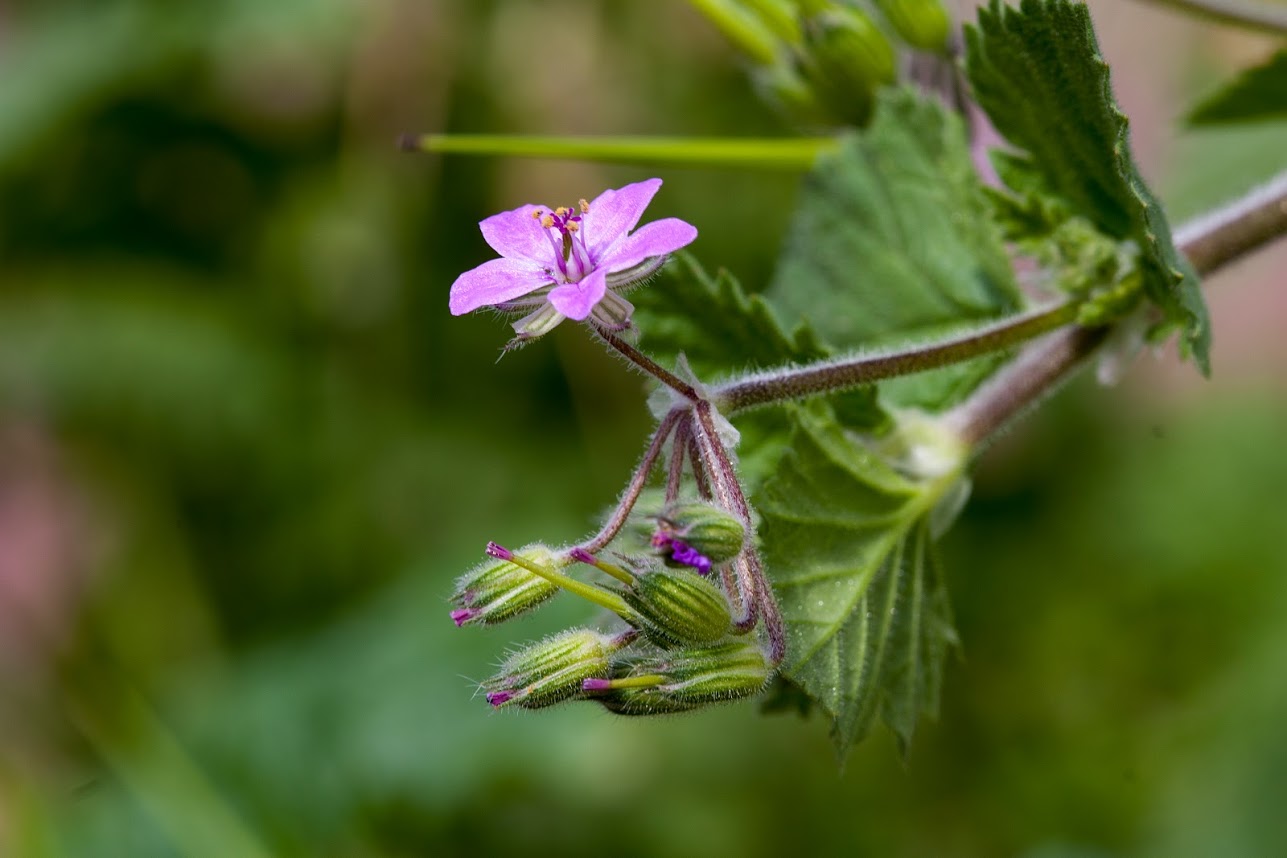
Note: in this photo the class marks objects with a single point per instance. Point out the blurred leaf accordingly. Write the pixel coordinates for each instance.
(847, 540)
(892, 241)
(1257, 93)
(715, 323)
(1044, 55)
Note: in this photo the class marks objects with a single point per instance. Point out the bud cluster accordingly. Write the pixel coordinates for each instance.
(680, 648)
(823, 60)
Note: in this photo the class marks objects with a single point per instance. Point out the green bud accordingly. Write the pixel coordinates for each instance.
(497, 590)
(715, 533)
(685, 679)
(779, 16)
(846, 58)
(923, 24)
(553, 670)
(679, 607)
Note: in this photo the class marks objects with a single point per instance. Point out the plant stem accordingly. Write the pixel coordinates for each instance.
(1210, 243)
(638, 480)
(754, 588)
(775, 386)
(647, 364)
(1253, 16)
(1229, 232)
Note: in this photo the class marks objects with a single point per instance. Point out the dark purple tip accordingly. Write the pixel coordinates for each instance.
(461, 616)
(409, 142)
(689, 556)
(500, 552)
(498, 698)
(596, 684)
(580, 555)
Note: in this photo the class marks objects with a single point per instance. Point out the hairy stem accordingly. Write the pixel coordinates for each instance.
(619, 515)
(782, 385)
(1239, 13)
(1209, 242)
(753, 586)
(647, 364)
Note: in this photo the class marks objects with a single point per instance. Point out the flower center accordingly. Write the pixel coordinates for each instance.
(565, 227)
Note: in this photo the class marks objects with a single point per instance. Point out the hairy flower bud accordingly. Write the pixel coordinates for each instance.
(553, 670)
(716, 534)
(679, 607)
(923, 24)
(497, 590)
(683, 679)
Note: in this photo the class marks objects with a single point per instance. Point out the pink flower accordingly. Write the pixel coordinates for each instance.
(568, 262)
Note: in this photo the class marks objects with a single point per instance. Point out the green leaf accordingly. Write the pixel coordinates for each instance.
(1038, 74)
(892, 241)
(848, 543)
(1258, 93)
(715, 323)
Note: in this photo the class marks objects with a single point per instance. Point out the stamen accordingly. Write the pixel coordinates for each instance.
(547, 222)
(583, 205)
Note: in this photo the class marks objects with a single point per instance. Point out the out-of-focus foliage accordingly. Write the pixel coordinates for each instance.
(1258, 93)
(244, 453)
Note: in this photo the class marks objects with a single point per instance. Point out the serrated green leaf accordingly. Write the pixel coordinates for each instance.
(1258, 93)
(715, 323)
(1038, 74)
(892, 241)
(847, 542)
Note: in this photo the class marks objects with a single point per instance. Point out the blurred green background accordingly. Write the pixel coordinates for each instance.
(244, 452)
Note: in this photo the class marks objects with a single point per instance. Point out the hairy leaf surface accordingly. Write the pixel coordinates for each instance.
(1037, 72)
(847, 540)
(892, 243)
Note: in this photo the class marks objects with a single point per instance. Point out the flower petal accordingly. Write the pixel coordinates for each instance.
(494, 282)
(614, 213)
(515, 234)
(652, 239)
(576, 300)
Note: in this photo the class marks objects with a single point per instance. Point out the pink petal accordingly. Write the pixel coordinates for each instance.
(515, 234)
(494, 282)
(652, 239)
(576, 300)
(614, 213)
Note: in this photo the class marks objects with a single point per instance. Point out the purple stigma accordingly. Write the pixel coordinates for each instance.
(500, 552)
(580, 555)
(499, 698)
(462, 616)
(682, 552)
(596, 684)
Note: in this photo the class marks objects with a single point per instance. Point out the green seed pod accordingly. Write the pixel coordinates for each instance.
(846, 58)
(923, 24)
(715, 533)
(497, 590)
(689, 679)
(679, 608)
(553, 670)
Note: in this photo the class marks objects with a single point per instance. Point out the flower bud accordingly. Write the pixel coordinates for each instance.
(716, 534)
(497, 590)
(553, 670)
(684, 679)
(923, 24)
(846, 58)
(679, 607)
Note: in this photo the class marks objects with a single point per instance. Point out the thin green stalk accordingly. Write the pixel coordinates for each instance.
(794, 154)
